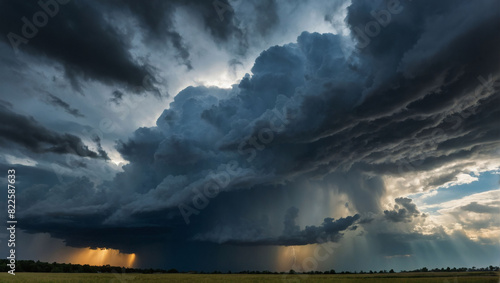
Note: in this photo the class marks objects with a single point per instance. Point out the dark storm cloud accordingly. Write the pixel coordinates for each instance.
(26, 132)
(220, 21)
(90, 46)
(77, 36)
(57, 102)
(156, 21)
(154, 18)
(404, 211)
(311, 110)
(329, 230)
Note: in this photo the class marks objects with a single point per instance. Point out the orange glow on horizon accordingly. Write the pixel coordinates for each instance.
(292, 257)
(102, 257)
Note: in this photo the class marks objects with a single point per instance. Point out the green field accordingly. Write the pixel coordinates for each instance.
(442, 277)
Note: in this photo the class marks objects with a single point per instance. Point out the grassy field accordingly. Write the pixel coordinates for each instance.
(465, 277)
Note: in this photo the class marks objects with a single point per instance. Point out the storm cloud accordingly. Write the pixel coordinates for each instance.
(327, 115)
(19, 130)
(313, 108)
(330, 230)
(103, 56)
(404, 210)
(57, 102)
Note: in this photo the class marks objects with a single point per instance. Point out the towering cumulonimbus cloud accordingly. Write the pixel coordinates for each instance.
(320, 109)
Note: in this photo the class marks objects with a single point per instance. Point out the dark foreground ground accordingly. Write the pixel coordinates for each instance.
(442, 277)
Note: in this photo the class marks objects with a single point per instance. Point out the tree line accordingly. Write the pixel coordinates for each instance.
(38, 266)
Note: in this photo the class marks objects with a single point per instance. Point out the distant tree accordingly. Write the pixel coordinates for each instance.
(291, 271)
(332, 271)
(424, 269)
(391, 271)
(172, 270)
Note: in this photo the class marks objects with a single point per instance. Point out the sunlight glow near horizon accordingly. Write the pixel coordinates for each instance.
(102, 257)
(295, 257)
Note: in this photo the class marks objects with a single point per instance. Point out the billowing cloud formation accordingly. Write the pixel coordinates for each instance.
(318, 110)
(476, 215)
(404, 210)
